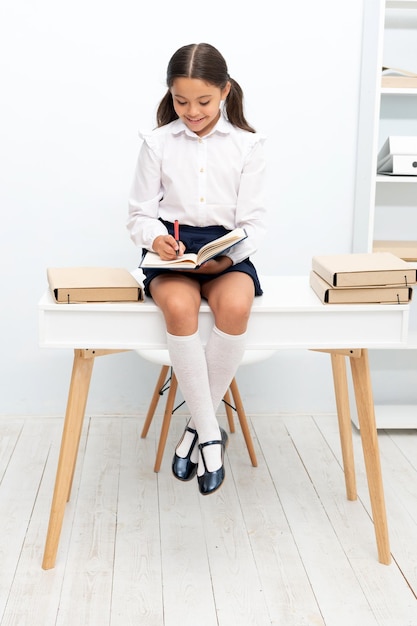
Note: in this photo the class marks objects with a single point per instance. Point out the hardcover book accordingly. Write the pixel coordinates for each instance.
(399, 294)
(364, 269)
(71, 285)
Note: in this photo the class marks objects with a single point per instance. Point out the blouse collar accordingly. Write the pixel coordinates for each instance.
(222, 127)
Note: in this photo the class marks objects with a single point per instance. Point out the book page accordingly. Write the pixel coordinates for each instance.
(213, 248)
(152, 259)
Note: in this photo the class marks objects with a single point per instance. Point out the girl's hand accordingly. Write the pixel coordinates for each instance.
(167, 247)
(215, 266)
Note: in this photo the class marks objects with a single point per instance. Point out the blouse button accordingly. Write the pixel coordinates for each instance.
(201, 199)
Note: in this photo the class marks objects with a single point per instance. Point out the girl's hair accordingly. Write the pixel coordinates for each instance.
(202, 61)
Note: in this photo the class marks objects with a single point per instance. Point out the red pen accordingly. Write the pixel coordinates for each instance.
(177, 234)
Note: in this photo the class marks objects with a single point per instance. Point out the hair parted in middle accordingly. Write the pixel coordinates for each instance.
(204, 62)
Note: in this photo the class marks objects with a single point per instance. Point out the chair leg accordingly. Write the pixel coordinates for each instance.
(169, 407)
(155, 399)
(229, 411)
(243, 422)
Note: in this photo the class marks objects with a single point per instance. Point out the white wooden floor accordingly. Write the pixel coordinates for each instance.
(278, 544)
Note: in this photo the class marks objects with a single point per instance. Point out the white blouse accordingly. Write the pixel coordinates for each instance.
(217, 179)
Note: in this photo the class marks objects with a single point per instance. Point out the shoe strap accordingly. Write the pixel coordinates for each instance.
(208, 443)
(191, 430)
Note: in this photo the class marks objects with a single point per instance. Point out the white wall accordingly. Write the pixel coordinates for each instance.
(78, 79)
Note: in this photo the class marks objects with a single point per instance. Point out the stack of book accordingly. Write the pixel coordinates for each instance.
(398, 156)
(362, 278)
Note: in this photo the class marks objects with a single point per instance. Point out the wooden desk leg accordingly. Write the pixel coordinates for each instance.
(77, 399)
(366, 415)
(345, 424)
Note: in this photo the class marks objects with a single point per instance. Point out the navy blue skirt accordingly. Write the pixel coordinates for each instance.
(193, 237)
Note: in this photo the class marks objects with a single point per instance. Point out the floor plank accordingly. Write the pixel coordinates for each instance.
(89, 563)
(187, 583)
(376, 579)
(284, 583)
(137, 575)
(20, 492)
(10, 433)
(324, 559)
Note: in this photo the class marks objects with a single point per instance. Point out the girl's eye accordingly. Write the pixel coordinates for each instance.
(202, 104)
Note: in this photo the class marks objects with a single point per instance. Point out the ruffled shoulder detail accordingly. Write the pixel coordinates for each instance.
(155, 138)
(257, 138)
(250, 141)
(150, 138)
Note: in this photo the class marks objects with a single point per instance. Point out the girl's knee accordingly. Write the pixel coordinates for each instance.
(233, 317)
(178, 306)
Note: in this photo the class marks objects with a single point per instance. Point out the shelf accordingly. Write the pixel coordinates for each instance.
(399, 91)
(387, 178)
(401, 4)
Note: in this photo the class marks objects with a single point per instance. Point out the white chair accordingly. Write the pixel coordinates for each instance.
(168, 381)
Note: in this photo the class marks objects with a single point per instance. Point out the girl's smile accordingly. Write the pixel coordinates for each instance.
(197, 103)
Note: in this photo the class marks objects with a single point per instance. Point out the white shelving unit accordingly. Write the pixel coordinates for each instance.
(386, 206)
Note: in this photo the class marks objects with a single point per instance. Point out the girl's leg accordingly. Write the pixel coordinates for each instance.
(189, 362)
(230, 297)
(179, 299)
(224, 353)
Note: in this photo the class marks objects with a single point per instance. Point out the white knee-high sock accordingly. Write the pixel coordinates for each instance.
(223, 355)
(189, 362)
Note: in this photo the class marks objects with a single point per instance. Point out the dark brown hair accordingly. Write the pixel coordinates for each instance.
(202, 61)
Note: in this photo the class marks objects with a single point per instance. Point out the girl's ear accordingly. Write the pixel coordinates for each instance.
(226, 90)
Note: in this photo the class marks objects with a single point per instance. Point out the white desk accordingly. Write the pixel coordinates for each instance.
(287, 316)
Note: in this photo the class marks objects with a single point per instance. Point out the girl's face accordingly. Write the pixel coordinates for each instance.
(197, 103)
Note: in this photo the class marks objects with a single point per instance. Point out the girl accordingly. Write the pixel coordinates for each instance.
(203, 166)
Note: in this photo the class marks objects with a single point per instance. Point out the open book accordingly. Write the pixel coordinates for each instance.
(192, 261)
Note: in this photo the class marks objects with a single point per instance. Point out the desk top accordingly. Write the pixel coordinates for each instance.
(288, 315)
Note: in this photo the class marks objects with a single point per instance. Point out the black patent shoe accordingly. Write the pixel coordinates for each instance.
(184, 468)
(209, 482)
